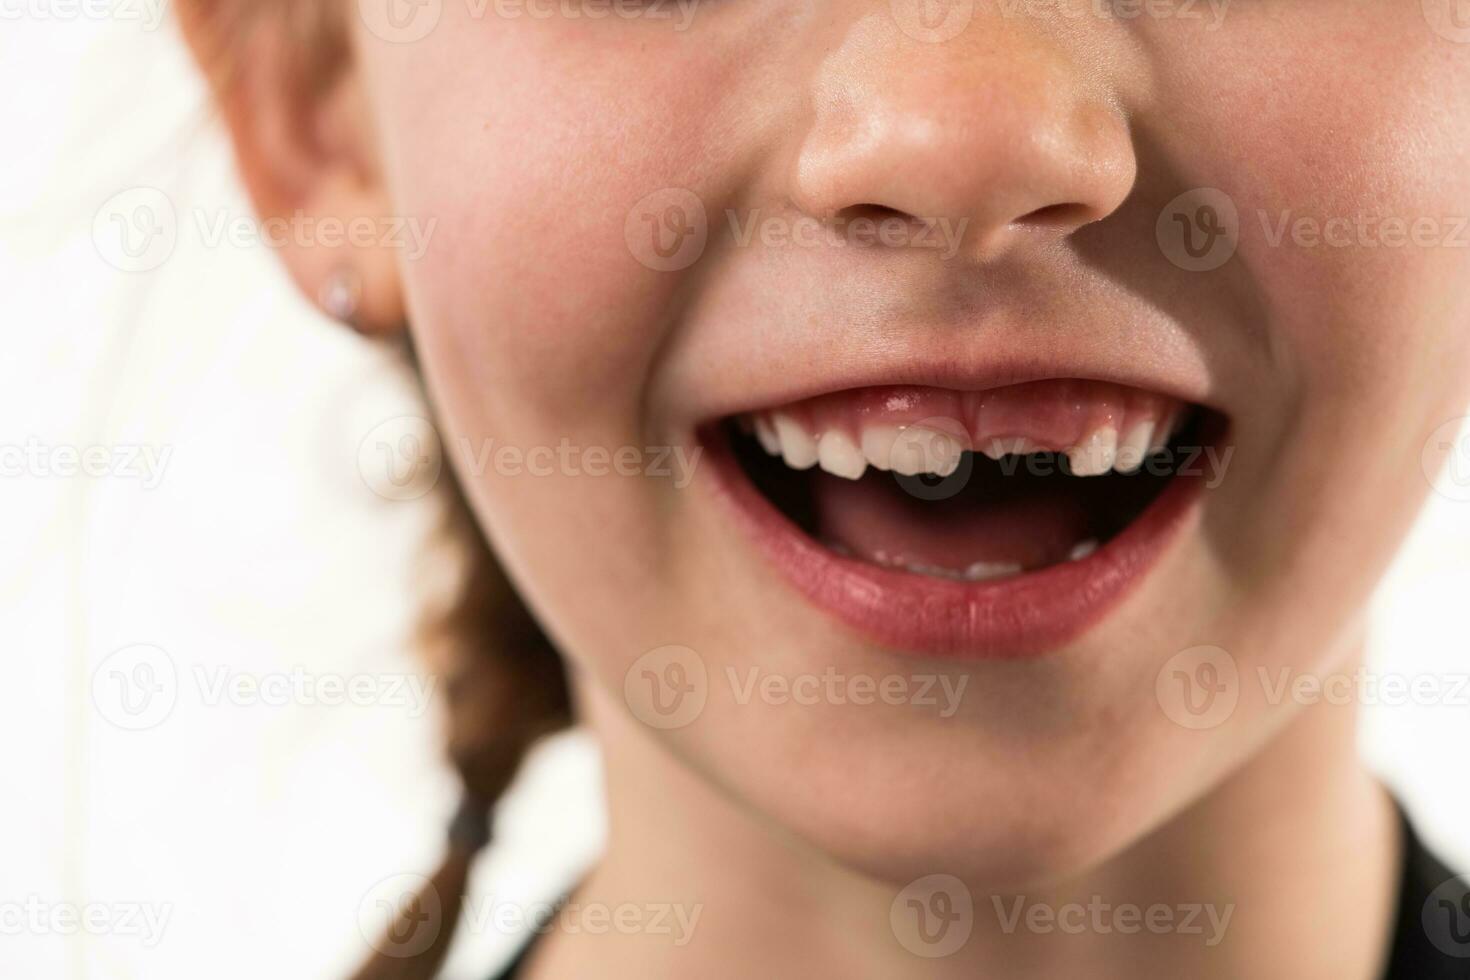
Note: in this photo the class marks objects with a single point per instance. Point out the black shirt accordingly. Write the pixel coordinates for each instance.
(1431, 939)
(1432, 936)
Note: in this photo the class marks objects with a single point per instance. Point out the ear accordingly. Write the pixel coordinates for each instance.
(304, 147)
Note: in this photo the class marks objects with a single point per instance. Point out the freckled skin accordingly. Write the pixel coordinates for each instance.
(1060, 140)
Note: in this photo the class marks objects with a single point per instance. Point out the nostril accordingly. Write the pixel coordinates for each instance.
(880, 224)
(873, 212)
(1063, 216)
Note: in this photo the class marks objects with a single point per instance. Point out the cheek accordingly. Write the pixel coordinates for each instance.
(530, 143)
(536, 314)
(1339, 136)
(1361, 235)
(1345, 158)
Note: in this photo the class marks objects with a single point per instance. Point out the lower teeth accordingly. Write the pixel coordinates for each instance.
(980, 571)
(985, 571)
(1083, 549)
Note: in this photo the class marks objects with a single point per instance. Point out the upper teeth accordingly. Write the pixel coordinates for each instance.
(798, 448)
(1096, 455)
(839, 455)
(1137, 443)
(917, 449)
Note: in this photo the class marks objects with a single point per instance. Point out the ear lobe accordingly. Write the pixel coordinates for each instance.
(306, 156)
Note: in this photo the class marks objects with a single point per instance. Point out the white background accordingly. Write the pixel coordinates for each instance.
(260, 830)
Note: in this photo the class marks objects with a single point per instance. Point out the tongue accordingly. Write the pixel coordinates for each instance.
(986, 530)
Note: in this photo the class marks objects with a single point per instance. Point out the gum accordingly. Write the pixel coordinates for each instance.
(1053, 416)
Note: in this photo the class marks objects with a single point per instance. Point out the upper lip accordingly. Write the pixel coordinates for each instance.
(774, 363)
(994, 369)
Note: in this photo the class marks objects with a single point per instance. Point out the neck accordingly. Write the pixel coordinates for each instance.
(1287, 868)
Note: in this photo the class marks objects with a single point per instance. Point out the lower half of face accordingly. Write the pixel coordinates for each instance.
(935, 436)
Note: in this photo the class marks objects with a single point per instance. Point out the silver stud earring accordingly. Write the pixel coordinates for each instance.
(341, 294)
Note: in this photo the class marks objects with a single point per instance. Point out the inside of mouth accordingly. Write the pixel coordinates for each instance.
(991, 519)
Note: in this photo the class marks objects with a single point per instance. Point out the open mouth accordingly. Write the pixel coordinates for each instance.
(986, 523)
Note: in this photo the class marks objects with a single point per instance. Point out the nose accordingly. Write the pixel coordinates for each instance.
(998, 128)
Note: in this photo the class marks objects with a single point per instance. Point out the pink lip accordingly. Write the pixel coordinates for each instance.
(1025, 616)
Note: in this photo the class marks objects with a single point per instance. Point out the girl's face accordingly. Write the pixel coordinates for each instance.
(868, 213)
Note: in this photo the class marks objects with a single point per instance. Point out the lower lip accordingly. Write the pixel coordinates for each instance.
(1006, 619)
